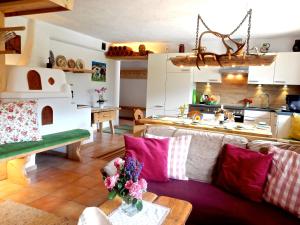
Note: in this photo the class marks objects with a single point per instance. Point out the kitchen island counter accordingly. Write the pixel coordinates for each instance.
(233, 128)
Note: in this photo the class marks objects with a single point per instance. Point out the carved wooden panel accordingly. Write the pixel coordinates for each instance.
(47, 115)
(34, 80)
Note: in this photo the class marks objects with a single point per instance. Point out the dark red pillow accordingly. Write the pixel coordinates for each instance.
(153, 153)
(244, 172)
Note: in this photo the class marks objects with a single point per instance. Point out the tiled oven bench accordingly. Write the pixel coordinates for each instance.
(13, 157)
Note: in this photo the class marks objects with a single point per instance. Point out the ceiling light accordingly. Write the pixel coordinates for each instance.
(230, 76)
(239, 76)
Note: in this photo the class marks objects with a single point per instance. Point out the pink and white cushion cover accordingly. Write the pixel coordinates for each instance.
(18, 122)
(283, 185)
(177, 155)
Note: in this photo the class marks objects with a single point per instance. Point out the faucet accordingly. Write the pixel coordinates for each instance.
(268, 98)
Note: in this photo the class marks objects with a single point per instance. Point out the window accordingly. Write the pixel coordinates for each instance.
(47, 115)
(34, 80)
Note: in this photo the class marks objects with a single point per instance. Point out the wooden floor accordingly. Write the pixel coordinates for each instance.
(64, 187)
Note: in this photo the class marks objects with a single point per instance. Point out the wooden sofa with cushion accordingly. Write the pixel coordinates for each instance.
(14, 156)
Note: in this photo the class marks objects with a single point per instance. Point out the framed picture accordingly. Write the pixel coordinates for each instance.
(99, 71)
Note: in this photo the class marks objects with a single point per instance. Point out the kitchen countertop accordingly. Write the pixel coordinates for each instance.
(233, 128)
(284, 113)
(238, 107)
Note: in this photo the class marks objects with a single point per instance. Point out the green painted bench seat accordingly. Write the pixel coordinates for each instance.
(57, 139)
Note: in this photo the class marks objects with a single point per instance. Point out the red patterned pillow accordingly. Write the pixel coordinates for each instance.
(18, 122)
(283, 185)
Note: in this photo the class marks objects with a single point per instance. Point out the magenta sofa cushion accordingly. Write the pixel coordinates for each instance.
(153, 153)
(243, 172)
(213, 206)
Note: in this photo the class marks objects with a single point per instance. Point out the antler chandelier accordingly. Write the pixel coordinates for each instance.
(232, 57)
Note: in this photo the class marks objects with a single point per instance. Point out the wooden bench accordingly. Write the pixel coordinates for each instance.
(14, 156)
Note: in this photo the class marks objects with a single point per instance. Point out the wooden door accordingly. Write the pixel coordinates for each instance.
(34, 80)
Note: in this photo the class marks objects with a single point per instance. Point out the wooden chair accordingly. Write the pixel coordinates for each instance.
(192, 114)
(137, 115)
(138, 128)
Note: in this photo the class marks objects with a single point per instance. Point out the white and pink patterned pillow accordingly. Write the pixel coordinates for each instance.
(283, 185)
(177, 155)
(18, 122)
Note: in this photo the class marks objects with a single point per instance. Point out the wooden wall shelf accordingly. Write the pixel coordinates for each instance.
(6, 52)
(127, 57)
(74, 70)
(5, 29)
(134, 74)
(247, 60)
(28, 7)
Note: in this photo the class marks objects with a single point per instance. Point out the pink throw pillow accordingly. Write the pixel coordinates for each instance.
(177, 155)
(244, 172)
(283, 185)
(153, 153)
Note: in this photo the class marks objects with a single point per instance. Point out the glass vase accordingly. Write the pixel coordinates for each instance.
(129, 209)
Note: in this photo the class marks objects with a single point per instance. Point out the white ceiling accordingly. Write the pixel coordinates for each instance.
(175, 20)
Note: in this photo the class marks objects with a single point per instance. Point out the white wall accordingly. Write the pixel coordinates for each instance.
(40, 37)
(133, 92)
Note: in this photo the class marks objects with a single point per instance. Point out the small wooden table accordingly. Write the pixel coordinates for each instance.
(100, 115)
(179, 209)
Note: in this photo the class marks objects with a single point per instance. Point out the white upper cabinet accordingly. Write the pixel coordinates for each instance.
(261, 74)
(171, 68)
(156, 81)
(178, 90)
(207, 74)
(287, 68)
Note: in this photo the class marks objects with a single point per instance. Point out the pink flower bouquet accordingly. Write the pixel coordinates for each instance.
(126, 183)
(100, 92)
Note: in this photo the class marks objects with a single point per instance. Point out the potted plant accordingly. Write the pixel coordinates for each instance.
(247, 101)
(100, 92)
(126, 184)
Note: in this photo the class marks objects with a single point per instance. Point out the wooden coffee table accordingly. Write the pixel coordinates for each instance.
(179, 209)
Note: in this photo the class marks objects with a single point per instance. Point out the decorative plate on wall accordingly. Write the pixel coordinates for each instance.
(79, 64)
(71, 63)
(61, 61)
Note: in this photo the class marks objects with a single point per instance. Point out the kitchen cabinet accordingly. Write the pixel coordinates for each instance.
(178, 90)
(287, 68)
(171, 68)
(155, 111)
(274, 124)
(168, 86)
(156, 81)
(261, 74)
(254, 117)
(207, 75)
(283, 126)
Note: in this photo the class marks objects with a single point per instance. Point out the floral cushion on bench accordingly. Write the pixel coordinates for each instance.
(18, 122)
